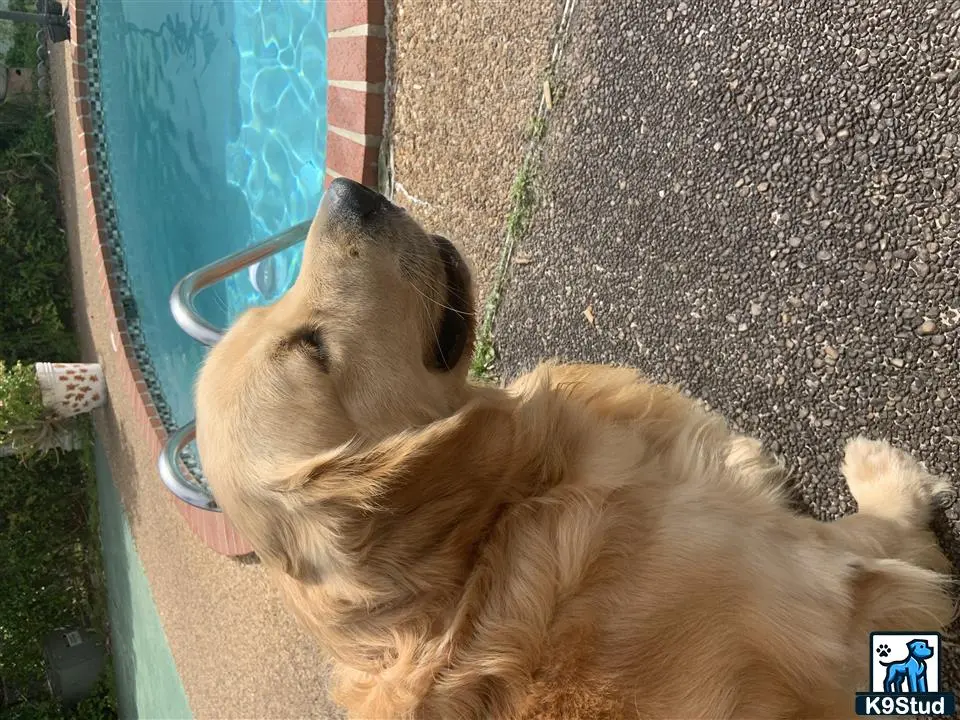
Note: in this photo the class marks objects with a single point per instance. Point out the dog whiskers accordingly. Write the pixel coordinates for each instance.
(434, 300)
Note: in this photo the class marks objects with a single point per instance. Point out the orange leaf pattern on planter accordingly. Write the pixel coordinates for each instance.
(74, 387)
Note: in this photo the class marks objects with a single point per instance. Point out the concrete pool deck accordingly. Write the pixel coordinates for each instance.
(466, 78)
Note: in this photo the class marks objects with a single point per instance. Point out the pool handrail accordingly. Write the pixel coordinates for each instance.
(182, 298)
(183, 308)
(174, 478)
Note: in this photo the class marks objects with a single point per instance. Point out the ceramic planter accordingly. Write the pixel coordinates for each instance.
(71, 388)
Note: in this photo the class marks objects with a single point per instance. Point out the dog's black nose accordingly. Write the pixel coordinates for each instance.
(347, 199)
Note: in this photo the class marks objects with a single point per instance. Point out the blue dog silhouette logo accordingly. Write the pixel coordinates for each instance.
(909, 674)
(905, 677)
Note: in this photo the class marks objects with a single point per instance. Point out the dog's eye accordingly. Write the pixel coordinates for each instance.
(310, 340)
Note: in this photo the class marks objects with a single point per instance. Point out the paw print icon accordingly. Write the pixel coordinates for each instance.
(883, 650)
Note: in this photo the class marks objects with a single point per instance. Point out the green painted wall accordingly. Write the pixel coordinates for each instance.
(148, 685)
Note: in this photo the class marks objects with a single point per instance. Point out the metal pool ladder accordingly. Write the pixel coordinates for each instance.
(174, 473)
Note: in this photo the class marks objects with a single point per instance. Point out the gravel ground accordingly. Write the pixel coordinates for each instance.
(758, 199)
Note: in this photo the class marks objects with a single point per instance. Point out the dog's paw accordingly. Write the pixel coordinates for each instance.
(889, 482)
(883, 650)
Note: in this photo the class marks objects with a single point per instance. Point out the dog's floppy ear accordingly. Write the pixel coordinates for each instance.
(385, 508)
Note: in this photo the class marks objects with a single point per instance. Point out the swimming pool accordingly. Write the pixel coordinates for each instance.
(214, 127)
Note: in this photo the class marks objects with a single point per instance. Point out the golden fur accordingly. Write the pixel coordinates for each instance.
(583, 544)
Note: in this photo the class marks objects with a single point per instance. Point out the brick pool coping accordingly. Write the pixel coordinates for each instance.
(356, 77)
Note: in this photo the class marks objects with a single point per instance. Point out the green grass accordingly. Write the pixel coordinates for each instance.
(536, 128)
(522, 203)
(522, 206)
(34, 273)
(53, 572)
(23, 51)
(102, 703)
(50, 560)
(34, 269)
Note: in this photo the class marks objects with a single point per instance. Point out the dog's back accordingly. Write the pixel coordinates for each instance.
(661, 577)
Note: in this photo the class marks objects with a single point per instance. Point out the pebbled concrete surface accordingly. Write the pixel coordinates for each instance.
(758, 199)
(466, 78)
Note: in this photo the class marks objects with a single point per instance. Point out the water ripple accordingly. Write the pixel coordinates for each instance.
(215, 118)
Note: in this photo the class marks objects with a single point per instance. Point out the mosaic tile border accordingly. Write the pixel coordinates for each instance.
(110, 237)
(132, 377)
(356, 52)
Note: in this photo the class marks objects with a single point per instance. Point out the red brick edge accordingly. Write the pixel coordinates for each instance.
(356, 53)
(356, 75)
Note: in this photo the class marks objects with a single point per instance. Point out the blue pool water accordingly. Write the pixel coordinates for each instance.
(214, 116)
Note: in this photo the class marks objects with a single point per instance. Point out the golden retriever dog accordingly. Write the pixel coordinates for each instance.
(582, 544)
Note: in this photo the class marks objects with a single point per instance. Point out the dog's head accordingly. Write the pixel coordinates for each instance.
(920, 649)
(327, 401)
(377, 300)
